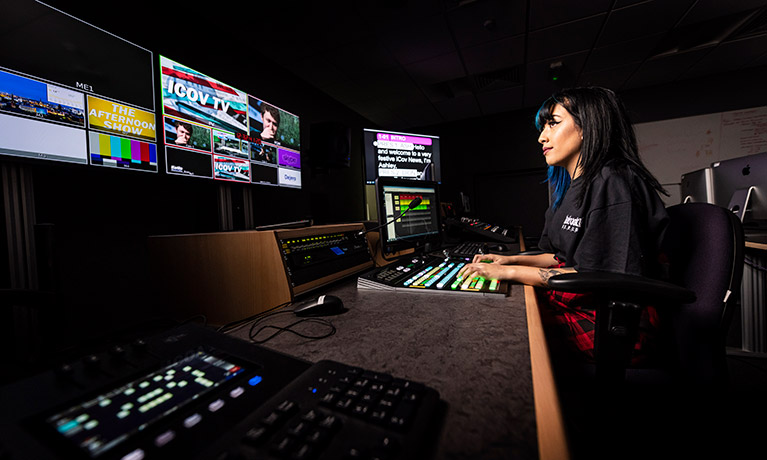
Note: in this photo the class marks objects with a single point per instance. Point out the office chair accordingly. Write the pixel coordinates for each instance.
(704, 245)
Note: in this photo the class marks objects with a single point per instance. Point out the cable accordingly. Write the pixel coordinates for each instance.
(289, 328)
(754, 265)
(252, 335)
(194, 318)
(234, 325)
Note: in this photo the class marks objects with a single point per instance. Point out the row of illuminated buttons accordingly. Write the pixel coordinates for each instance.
(167, 436)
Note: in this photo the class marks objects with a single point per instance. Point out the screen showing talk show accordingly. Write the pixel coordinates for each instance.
(215, 131)
(401, 156)
(85, 100)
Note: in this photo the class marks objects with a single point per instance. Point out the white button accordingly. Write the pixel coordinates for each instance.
(164, 438)
(216, 405)
(192, 420)
(236, 392)
(137, 454)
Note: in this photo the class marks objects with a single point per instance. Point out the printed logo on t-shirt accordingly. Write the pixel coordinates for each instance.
(571, 224)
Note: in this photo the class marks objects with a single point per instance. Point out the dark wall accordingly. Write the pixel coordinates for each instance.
(497, 162)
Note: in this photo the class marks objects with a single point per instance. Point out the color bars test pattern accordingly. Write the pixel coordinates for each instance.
(116, 151)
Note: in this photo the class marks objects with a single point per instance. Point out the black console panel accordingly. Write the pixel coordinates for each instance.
(193, 393)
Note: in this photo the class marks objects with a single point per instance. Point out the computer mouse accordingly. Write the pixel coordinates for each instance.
(324, 305)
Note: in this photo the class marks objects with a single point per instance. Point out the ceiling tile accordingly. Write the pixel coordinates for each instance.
(361, 58)
(620, 54)
(317, 70)
(484, 21)
(441, 68)
(421, 115)
(393, 86)
(495, 55)
(665, 69)
(566, 68)
(730, 55)
(458, 108)
(564, 39)
(415, 41)
(505, 100)
(546, 13)
(705, 10)
(761, 60)
(613, 78)
(539, 91)
(642, 19)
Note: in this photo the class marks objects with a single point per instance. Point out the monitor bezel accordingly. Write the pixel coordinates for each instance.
(417, 243)
(372, 169)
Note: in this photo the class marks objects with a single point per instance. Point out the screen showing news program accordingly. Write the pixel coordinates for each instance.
(87, 99)
(401, 156)
(215, 131)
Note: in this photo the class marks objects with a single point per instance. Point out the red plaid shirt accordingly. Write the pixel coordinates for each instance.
(573, 318)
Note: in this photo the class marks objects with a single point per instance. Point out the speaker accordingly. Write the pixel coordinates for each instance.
(330, 145)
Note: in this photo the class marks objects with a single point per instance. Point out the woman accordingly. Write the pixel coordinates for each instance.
(606, 213)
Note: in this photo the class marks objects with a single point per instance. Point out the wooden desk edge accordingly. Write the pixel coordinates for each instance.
(552, 436)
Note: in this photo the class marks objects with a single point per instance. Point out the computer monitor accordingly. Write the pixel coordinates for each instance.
(419, 227)
(215, 131)
(697, 186)
(740, 184)
(401, 156)
(73, 93)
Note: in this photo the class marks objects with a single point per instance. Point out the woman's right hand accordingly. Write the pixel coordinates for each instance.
(490, 258)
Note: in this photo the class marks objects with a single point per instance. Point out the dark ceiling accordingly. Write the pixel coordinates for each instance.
(403, 63)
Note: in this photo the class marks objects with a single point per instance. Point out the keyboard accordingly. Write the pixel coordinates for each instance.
(336, 411)
(467, 249)
(484, 230)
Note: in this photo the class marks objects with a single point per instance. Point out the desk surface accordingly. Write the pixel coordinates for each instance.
(473, 349)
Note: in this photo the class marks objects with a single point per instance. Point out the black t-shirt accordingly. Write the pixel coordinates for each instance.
(617, 228)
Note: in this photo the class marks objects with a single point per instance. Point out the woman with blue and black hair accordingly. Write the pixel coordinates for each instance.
(606, 213)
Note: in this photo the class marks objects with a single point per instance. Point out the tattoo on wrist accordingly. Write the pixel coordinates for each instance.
(545, 274)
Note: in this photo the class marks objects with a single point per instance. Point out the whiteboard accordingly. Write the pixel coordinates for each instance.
(670, 148)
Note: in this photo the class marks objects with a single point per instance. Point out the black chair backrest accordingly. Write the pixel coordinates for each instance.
(705, 246)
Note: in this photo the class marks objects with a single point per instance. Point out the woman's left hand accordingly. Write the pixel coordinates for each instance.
(491, 271)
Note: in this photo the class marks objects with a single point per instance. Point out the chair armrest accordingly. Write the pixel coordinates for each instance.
(621, 286)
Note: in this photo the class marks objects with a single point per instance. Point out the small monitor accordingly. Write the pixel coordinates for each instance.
(740, 184)
(401, 156)
(419, 226)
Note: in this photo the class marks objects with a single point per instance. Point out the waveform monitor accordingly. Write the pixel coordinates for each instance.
(405, 226)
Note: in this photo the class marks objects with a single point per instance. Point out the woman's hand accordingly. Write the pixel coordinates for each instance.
(488, 270)
(490, 258)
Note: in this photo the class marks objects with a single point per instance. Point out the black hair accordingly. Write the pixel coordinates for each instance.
(608, 136)
(272, 110)
(185, 125)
